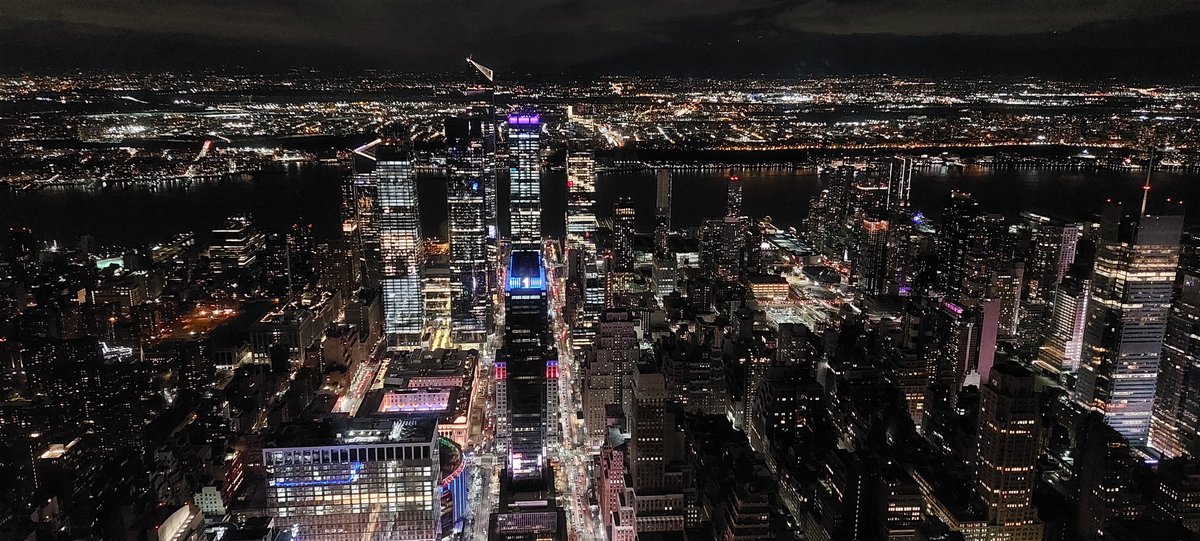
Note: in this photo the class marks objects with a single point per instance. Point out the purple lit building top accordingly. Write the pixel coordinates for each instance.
(525, 119)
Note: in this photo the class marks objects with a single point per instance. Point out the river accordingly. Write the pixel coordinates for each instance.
(311, 194)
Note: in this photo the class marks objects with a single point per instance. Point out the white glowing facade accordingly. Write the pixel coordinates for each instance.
(369, 483)
(524, 176)
(400, 246)
(1132, 285)
(581, 201)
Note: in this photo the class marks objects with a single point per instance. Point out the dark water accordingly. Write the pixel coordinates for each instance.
(311, 194)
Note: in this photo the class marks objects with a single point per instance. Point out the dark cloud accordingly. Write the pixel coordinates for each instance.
(539, 34)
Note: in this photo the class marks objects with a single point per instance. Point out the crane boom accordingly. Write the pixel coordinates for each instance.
(486, 71)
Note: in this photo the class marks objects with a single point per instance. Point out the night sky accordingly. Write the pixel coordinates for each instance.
(1095, 38)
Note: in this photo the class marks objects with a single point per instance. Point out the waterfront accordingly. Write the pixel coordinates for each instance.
(311, 194)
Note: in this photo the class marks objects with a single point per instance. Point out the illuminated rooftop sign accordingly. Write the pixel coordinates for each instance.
(524, 119)
(525, 271)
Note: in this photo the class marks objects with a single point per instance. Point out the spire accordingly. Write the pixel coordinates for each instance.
(486, 71)
(1146, 186)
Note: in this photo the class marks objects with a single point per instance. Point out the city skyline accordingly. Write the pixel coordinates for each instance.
(764, 271)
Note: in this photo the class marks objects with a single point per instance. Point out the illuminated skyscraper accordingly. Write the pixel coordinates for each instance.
(363, 211)
(526, 368)
(486, 113)
(236, 248)
(586, 269)
(722, 248)
(524, 176)
(662, 213)
(1052, 250)
(400, 244)
(1008, 451)
(1127, 317)
(1064, 346)
(870, 263)
(1175, 425)
(956, 239)
(733, 202)
(371, 479)
(900, 170)
(581, 201)
(624, 222)
(470, 307)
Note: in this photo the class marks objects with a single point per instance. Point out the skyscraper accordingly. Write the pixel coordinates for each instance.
(722, 248)
(1005, 286)
(1064, 346)
(956, 238)
(236, 248)
(624, 228)
(1127, 317)
(581, 201)
(524, 176)
(870, 263)
(401, 245)
(900, 250)
(899, 185)
(1176, 418)
(470, 276)
(1008, 451)
(1051, 252)
(364, 194)
(733, 202)
(526, 367)
(662, 212)
(583, 271)
(486, 113)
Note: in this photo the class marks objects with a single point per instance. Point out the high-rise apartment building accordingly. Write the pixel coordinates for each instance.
(899, 186)
(1052, 245)
(1007, 451)
(1005, 283)
(870, 261)
(401, 245)
(624, 227)
(1064, 345)
(733, 201)
(1127, 318)
(662, 212)
(956, 239)
(236, 248)
(581, 201)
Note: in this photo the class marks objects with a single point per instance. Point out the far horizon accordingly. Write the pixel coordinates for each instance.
(1150, 41)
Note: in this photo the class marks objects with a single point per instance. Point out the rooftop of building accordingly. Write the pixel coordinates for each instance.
(525, 270)
(354, 431)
